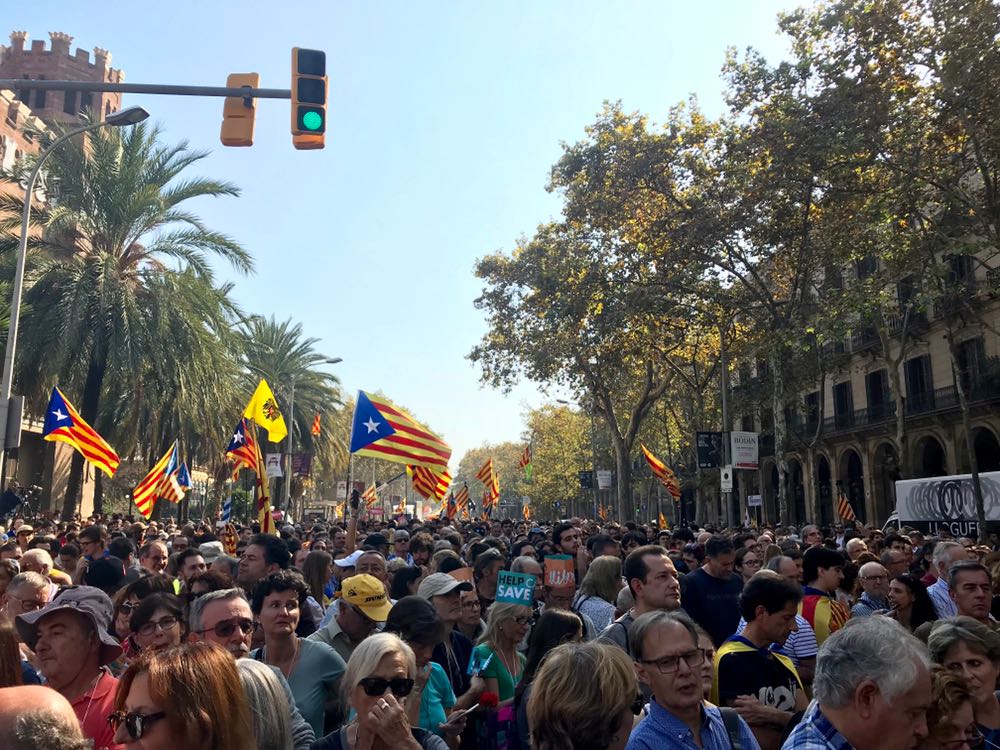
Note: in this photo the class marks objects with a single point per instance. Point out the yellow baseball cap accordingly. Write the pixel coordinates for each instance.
(367, 594)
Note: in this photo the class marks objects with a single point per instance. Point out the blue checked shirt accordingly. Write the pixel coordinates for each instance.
(661, 729)
(815, 732)
(941, 596)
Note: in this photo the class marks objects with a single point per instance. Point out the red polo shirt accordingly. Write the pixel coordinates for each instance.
(93, 708)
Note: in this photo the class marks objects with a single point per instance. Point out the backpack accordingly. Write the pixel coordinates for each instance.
(732, 721)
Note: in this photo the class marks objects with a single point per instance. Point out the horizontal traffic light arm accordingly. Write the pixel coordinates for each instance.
(145, 88)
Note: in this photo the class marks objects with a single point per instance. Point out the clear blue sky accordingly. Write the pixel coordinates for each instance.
(445, 118)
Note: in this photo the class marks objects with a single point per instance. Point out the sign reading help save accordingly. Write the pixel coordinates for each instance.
(515, 588)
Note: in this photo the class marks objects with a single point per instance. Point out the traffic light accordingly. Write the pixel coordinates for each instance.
(238, 112)
(308, 98)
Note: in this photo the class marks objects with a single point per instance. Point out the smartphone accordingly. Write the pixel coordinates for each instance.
(355, 499)
(458, 715)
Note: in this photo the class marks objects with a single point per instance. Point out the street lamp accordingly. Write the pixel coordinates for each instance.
(286, 486)
(122, 118)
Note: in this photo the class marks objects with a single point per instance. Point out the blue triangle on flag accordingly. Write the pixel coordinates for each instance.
(57, 414)
(369, 424)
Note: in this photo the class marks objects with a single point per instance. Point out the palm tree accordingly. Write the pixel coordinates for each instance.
(115, 243)
(279, 353)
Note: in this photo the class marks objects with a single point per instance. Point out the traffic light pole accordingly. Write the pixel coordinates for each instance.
(246, 92)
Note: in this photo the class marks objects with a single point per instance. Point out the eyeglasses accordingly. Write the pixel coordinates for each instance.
(670, 664)
(973, 740)
(126, 608)
(164, 623)
(874, 578)
(474, 604)
(135, 723)
(27, 605)
(522, 620)
(374, 686)
(225, 628)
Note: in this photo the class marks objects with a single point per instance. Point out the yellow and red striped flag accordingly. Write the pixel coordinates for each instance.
(491, 482)
(430, 484)
(151, 487)
(662, 472)
(315, 426)
(526, 511)
(382, 430)
(64, 424)
(264, 516)
(401, 508)
(177, 485)
(370, 496)
(844, 509)
(602, 513)
(663, 522)
(462, 498)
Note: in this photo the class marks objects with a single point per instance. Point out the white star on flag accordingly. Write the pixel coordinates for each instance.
(60, 416)
(237, 437)
(372, 425)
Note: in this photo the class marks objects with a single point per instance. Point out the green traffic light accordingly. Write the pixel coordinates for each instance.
(312, 121)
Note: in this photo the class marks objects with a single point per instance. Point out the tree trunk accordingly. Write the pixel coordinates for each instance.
(624, 469)
(963, 404)
(98, 493)
(780, 435)
(88, 410)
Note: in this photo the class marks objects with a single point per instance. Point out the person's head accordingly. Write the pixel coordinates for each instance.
(770, 603)
(26, 592)
(33, 717)
(264, 554)
(969, 649)
(631, 541)
(415, 620)
(224, 618)
(277, 602)
(719, 557)
(822, 568)
(945, 555)
(123, 548)
(693, 555)
(69, 556)
(706, 644)
(179, 543)
(372, 563)
(36, 561)
(554, 627)
(188, 696)
(569, 708)
(153, 557)
(269, 708)
(811, 535)
(874, 580)
(210, 580)
(486, 569)
(855, 547)
(603, 578)
(566, 537)
(506, 624)
(190, 563)
(363, 605)
(380, 666)
(747, 562)
(668, 659)
(23, 535)
(652, 579)
(70, 635)
(405, 582)
(971, 590)
(872, 681)
(531, 567)
(445, 593)
(228, 566)
(401, 543)
(317, 570)
(949, 716)
(157, 622)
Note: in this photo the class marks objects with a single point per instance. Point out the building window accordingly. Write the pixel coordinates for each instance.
(919, 385)
(69, 102)
(906, 290)
(971, 361)
(867, 266)
(23, 94)
(107, 109)
(746, 423)
(877, 392)
(843, 404)
(812, 409)
(40, 96)
(960, 269)
(86, 101)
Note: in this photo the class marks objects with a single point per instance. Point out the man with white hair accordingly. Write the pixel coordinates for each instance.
(855, 547)
(39, 561)
(945, 555)
(871, 691)
(874, 580)
(33, 717)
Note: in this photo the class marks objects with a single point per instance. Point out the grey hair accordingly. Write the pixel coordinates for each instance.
(978, 637)
(46, 730)
(269, 707)
(870, 648)
(497, 615)
(941, 551)
(231, 564)
(625, 599)
(776, 562)
(518, 565)
(197, 613)
(366, 657)
(965, 566)
(28, 578)
(655, 619)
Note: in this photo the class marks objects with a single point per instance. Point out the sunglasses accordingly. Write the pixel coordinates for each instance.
(126, 608)
(225, 628)
(135, 724)
(375, 686)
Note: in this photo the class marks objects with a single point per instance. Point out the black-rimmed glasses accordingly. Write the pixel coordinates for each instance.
(669, 664)
(135, 723)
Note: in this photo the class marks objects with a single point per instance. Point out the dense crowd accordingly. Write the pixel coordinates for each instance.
(366, 636)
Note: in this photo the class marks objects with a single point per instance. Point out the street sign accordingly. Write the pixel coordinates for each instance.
(726, 479)
(586, 480)
(604, 479)
(743, 449)
(753, 501)
(709, 450)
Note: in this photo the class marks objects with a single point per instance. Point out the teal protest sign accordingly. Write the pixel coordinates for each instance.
(515, 588)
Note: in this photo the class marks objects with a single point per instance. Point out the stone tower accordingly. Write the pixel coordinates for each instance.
(56, 63)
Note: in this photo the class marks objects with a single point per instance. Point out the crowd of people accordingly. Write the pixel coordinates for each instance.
(367, 635)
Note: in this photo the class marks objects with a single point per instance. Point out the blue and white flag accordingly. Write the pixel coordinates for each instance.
(227, 509)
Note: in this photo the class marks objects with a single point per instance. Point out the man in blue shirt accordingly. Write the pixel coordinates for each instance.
(667, 658)
(871, 691)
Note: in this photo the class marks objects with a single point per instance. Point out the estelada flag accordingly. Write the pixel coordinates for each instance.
(64, 424)
(151, 487)
(662, 472)
(177, 484)
(382, 430)
(263, 409)
(242, 449)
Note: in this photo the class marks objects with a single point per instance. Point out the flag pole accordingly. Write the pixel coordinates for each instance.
(350, 483)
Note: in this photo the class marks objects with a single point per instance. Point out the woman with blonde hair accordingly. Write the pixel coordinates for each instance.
(571, 707)
(950, 722)
(188, 696)
(269, 709)
(495, 656)
(599, 591)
